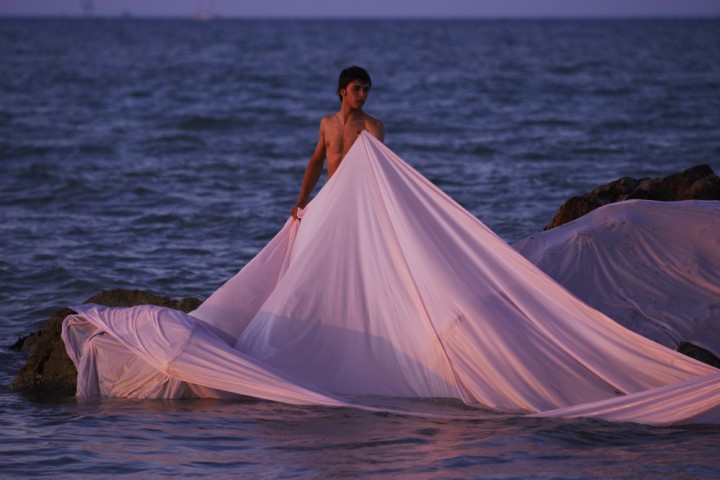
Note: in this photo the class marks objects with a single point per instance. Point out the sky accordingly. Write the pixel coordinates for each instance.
(369, 8)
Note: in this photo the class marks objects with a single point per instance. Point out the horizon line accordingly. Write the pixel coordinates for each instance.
(131, 16)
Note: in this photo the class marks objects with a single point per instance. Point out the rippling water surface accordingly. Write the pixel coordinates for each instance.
(163, 154)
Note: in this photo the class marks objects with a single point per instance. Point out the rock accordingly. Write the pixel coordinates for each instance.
(696, 183)
(48, 365)
(698, 353)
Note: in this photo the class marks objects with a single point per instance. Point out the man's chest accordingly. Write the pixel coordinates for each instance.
(341, 139)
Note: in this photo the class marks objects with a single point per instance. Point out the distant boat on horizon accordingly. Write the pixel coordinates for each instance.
(203, 16)
(206, 11)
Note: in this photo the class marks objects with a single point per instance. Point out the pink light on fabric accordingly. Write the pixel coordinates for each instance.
(388, 287)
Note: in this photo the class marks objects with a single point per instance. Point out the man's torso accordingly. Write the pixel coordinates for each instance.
(340, 137)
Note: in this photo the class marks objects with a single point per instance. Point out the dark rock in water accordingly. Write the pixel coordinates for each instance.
(696, 183)
(698, 353)
(48, 365)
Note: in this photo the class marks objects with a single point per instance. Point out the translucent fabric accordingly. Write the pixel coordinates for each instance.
(388, 287)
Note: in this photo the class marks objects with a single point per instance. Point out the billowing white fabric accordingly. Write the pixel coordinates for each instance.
(389, 287)
(177, 348)
(653, 267)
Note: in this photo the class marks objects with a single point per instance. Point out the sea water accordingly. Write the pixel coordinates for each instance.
(163, 154)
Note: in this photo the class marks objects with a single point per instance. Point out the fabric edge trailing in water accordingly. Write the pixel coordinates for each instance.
(693, 401)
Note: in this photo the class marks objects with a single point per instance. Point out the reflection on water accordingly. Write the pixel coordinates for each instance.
(211, 438)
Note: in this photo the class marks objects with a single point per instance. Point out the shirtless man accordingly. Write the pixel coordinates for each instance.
(340, 130)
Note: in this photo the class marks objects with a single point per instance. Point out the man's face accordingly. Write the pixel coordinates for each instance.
(355, 94)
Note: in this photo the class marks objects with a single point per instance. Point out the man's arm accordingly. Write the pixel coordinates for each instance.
(312, 174)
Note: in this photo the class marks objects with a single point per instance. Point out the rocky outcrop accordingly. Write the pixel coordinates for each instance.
(48, 365)
(696, 183)
(698, 353)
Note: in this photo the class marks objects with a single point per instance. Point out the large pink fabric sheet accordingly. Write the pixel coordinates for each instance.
(388, 287)
(653, 267)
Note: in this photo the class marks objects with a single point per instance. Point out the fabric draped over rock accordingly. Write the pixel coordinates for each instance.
(652, 266)
(388, 287)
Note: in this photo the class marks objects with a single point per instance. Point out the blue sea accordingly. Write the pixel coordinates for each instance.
(163, 154)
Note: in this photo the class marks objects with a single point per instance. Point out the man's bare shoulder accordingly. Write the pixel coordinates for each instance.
(329, 119)
(329, 125)
(375, 126)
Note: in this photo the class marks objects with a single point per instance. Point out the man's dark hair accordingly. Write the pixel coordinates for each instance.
(350, 74)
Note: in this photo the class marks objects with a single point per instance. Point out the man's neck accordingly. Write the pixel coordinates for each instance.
(346, 113)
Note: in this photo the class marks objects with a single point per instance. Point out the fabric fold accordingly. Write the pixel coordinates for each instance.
(389, 287)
